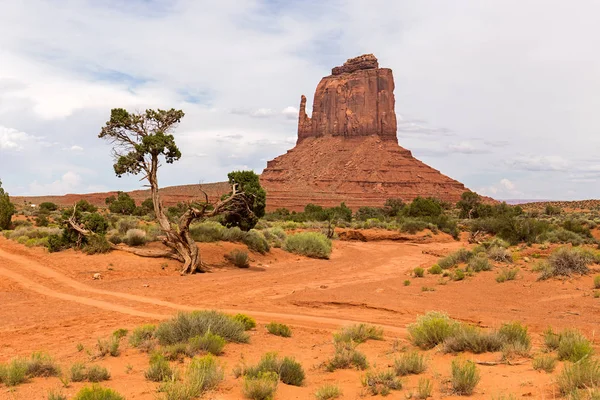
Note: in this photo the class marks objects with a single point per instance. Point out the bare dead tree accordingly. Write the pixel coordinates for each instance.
(140, 141)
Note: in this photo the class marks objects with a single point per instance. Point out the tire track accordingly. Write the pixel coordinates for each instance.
(40, 269)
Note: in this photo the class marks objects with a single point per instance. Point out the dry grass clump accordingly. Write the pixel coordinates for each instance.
(507, 275)
(465, 377)
(96, 392)
(500, 254)
(453, 259)
(479, 263)
(346, 356)
(135, 237)
(209, 342)
(431, 329)
(185, 326)
(95, 373)
(424, 389)
(239, 258)
(203, 374)
(249, 322)
(544, 362)
(142, 337)
(382, 382)
(20, 370)
(277, 329)
(411, 363)
(159, 370)
(358, 333)
(309, 244)
(108, 346)
(566, 262)
(328, 392)
(260, 387)
(571, 344)
(288, 370)
(580, 375)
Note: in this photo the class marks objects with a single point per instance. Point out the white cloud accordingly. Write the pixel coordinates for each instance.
(466, 148)
(290, 112)
(76, 148)
(539, 163)
(70, 182)
(504, 189)
(506, 184)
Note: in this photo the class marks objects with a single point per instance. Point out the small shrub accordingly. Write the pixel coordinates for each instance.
(328, 392)
(473, 339)
(97, 373)
(159, 369)
(512, 350)
(249, 322)
(56, 396)
(55, 243)
(256, 241)
(135, 237)
(544, 363)
(431, 329)
(142, 334)
(288, 370)
(239, 258)
(109, 346)
(358, 333)
(580, 375)
(459, 275)
(261, 387)
(419, 272)
(597, 282)
(573, 346)
(435, 270)
(176, 351)
(407, 282)
(479, 263)
(96, 392)
(42, 365)
(187, 325)
(382, 382)
(424, 389)
(566, 262)
(346, 356)
(465, 377)
(411, 363)
(14, 373)
(500, 254)
(515, 332)
(77, 372)
(120, 333)
(309, 244)
(97, 244)
(208, 342)
(278, 329)
(208, 231)
(453, 259)
(507, 275)
(204, 374)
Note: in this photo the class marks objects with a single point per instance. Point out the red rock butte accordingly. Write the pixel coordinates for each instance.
(348, 151)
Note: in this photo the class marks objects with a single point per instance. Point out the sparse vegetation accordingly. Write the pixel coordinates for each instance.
(346, 356)
(419, 272)
(580, 375)
(597, 282)
(573, 346)
(159, 369)
(479, 263)
(97, 373)
(185, 326)
(431, 329)
(453, 259)
(358, 333)
(239, 258)
(382, 382)
(435, 270)
(544, 362)
(287, 369)
(96, 392)
(260, 387)
(277, 329)
(566, 262)
(249, 322)
(507, 275)
(465, 377)
(410, 363)
(425, 389)
(328, 392)
(209, 342)
(309, 244)
(108, 346)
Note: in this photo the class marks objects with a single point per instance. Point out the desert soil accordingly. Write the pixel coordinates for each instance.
(50, 302)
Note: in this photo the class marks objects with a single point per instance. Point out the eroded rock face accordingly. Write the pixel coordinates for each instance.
(347, 151)
(356, 100)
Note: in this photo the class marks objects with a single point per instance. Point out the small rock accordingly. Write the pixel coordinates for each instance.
(526, 259)
(97, 275)
(323, 287)
(145, 285)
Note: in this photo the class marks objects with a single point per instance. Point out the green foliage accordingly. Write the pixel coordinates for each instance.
(465, 377)
(142, 334)
(453, 259)
(382, 382)
(573, 346)
(255, 195)
(123, 204)
(55, 243)
(7, 209)
(95, 223)
(479, 263)
(544, 362)
(135, 237)
(566, 262)
(96, 392)
(580, 375)
(77, 372)
(196, 323)
(277, 329)
(411, 363)
(435, 270)
(346, 356)
(108, 346)
(458, 275)
(97, 373)
(431, 329)
(515, 332)
(424, 389)
(310, 244)
(239, 258)
(261, 387)
(468, 204)
(552, 210)
(159, 369)
(365, 213)
(597, 282)
(358, 333)
(85, 206)
(425, 207)
(256, 241)
(507, 275)
(328, 392)
(97, 244)
(287, 369)
(419, 272)
(393, 207)
(208, 342)
(14, 373)
(120, 333)
(48, 206)
(247, 321)
(41, 219)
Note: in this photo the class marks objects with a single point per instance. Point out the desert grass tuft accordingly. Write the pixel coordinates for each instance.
(465, 377)
(249, 322)
(188, 325)
(358, 333)
(287, 369)
(544, 362)
(425, 389)
(56, 396)
(239, 258)
(382, 382)
(277, 329)
(108, 346)
(507, 275)
(346, 356)
(260, 387)
(411, 363)
(328, 392)
(96, 392)
(573, 346)
(431, 329)
(208, 342)
(580, 375)
(159, 370)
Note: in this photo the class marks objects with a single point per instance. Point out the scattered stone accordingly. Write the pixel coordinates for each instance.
(97, 276)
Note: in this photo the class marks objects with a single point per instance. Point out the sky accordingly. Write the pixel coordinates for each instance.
(502, 95)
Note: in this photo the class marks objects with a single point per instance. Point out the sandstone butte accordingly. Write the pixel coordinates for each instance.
(348, 151)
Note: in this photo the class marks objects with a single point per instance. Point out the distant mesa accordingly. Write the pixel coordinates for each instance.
(347, 150)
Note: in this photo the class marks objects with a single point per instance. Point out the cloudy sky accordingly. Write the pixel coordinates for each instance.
(503, 95)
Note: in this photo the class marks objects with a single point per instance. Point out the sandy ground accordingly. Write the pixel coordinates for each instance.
(50, 302)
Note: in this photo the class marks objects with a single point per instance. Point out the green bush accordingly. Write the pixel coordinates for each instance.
(287, 369)
(358, 333)
(255, 195)
(7, 209)
(465, 377)
(597, 282)
(55, 243)
(277, 329)
(42, 365)
(135, 237)
(453, 259)
(507, 275)
(187, 325)
(208, 231)
(123, 204)
(566, 262)
(77, 373)
(261, 387)
(177, 351)
(411, 363)
(580, 375)
(95, 223)
(310, 244)
(14, 373)
(256, 241)
(382, 382)
(203, 374)
(479, 263)
(424, 207)
(346, 356)
(239, 258)
(249, 322)
(208, 342)
(96, 244)
(159, 369)
(573, 346)
(48, 206)
(413, 226)
(515, 332)
(435, 270)
(97, 373)
(96, 392)
(459, 275)
(431, 329)
(473, 339)
(142, 334)
(544, 363)
(328, 392)
(419, 272)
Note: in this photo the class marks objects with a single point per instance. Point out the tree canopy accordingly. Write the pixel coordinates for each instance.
(7, 209)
